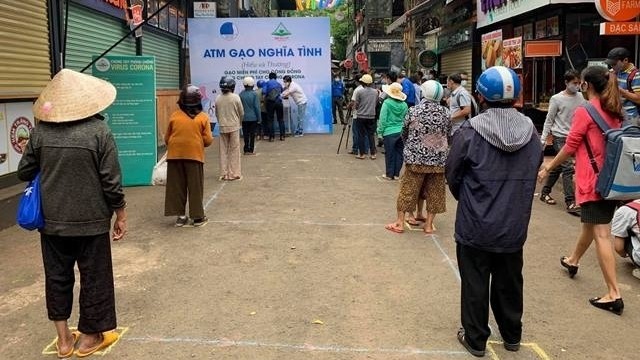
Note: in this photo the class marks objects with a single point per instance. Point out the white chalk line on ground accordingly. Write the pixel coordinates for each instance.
(453, 267)
(304, 222)
(303, 347)
(215, 195)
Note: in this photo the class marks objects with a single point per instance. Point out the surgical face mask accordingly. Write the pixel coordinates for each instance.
(463, 82)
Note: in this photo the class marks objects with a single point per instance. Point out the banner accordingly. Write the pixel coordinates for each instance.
(132, 116)
(512, 53)
(491, 49)
(240, 47)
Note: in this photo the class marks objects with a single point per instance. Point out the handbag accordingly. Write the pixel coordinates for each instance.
(159, 175)
(30, 216)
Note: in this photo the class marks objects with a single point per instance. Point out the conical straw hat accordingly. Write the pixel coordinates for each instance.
(71, 96)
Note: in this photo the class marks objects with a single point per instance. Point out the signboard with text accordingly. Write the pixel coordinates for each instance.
(240, 47)
(492, 11)
(132, 116)
(620, 28)
(204, 9)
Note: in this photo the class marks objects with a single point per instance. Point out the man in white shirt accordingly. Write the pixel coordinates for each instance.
(294, 89)
(624, 228)
(459, 101)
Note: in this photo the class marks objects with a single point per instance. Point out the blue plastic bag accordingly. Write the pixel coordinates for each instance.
(30, 215)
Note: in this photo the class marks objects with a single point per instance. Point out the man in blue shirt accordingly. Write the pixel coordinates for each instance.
(337, 98)
(619, 59)
(272, 92)
(407, 89)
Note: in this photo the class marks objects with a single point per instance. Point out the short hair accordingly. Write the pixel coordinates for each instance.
(415, 79)
(273, 75)
(420, 74)
(455, 77)
(571, 74)
(286, 78)
(393, 76)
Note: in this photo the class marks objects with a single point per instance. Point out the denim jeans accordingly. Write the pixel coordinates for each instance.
(566, 169)
(302, 109)
(393, 146)
(355, 131)
(366, 132)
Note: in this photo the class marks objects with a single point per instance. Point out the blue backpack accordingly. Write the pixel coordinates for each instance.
(619, 178)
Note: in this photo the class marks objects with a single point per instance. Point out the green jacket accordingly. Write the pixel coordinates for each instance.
(391, 116)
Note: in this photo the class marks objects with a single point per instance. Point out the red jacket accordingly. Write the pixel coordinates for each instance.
(583, 126)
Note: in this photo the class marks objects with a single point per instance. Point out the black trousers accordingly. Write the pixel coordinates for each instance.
(366, 130)
(249, 134)
(274, 107)
(185, 180)
(97, 299)
(494, 278)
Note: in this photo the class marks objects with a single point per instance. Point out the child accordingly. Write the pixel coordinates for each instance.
(624, 228)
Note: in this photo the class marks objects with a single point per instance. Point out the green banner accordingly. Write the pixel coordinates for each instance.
(132, 116)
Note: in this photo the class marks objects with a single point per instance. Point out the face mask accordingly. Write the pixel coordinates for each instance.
(429, 77)
(336, 79)
(463, 82)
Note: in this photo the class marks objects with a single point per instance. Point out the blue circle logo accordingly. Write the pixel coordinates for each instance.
(228, 31)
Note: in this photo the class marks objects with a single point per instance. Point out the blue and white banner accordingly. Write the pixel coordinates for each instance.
(240, 47)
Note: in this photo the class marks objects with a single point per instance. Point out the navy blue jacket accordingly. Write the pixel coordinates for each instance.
(494, 187)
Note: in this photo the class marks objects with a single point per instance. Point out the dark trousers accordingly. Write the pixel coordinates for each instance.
(261, 132)
(274, 107)
(393, 146)
(355, 136)
(97, 299)
(495, 278)
(336, 106)
(249, 134)
(566, 169)
(185, 179)
(366, 130)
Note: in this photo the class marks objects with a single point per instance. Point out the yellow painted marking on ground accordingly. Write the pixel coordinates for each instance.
(492, 352)
(533, 346)
(51, 348)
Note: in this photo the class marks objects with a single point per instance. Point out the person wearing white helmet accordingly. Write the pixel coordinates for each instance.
(425, 134)
(252, 114)
(491, 170)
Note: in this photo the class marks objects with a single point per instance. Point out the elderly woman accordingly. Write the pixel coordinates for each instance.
(425, 135)
(392, 116)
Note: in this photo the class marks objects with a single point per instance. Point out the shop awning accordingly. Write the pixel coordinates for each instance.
(423, 6)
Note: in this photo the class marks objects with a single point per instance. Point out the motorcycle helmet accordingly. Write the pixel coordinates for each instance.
(499, 83)
(227, 83)
(190, 96)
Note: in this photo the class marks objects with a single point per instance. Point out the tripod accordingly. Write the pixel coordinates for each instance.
(347, 126)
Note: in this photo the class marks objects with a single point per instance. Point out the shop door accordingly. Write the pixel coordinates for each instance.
(166, 49)
(91, 33)
(25, 61)
(456, 61)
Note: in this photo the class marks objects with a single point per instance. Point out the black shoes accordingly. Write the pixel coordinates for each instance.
(463, 341)
(572, 269)
(616, 306)
(511, 347)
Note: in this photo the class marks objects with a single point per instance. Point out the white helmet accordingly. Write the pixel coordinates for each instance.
(248, 81)
(432, 90)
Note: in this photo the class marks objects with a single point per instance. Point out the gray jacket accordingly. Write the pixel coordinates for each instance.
(80, 176)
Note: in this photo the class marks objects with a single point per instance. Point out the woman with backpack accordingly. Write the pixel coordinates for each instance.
(586, 142)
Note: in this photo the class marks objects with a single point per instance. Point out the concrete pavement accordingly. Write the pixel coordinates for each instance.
(296, 264)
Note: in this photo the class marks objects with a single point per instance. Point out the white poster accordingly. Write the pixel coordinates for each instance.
(4, 139)
(490, 11)
(19, 123)
(240, 47)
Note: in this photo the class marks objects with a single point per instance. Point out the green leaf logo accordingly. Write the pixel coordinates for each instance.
(281, 30)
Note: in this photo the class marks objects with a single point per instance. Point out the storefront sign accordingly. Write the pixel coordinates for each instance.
(620, 28)
(16, 123)
(491, 49)
(122, 4)
(204, 9)
(543, 48)
(512, 53)
(132, 117)
(618, 10)
(493, 11)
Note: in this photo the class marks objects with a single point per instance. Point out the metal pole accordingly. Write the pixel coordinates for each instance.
(126, 36)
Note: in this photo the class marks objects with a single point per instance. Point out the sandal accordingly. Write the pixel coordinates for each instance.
(414, 221)
(373, 157)
(108, 339)
(547, 199)
(394, 228)
(75, 335)
(360, 157)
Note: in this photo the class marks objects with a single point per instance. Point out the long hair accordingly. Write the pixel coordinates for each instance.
(605, 85)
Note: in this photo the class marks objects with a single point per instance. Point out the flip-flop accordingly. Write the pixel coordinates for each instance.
(394, 228)
(108, 339)
(75, 335)
(414, 222)
(429, 232)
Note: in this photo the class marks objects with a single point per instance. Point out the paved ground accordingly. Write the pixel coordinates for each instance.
(296, 264)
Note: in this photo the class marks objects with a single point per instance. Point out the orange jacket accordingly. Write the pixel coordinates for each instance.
(186, 138)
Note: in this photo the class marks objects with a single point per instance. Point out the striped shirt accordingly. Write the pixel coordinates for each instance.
(629, 106)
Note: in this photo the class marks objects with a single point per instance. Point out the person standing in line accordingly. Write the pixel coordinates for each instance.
(561, 109)
(425, 134)
(365, 104)
(300, 99)
(595, 212)
(337, 99)
(230, 114)
(355, 132)
(491, 172)
(263, 110)
(415, 79)
(407, 88)
(459, 101)
(252, 116)
(187, 135)
(75, 153)
(272, 92)
(392, 116)
(619, 59)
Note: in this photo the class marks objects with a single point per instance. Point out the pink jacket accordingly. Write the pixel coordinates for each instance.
(583, 127)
